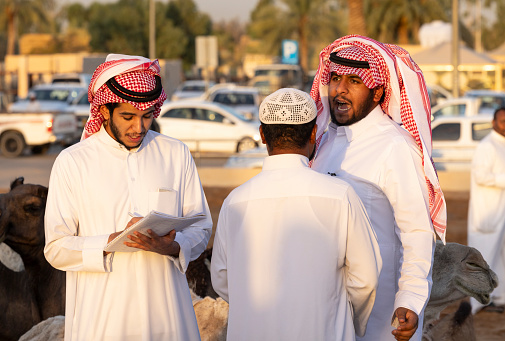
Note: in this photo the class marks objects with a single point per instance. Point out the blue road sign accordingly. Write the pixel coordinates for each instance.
(289, 52)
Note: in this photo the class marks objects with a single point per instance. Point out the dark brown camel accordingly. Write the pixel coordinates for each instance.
(39, 286)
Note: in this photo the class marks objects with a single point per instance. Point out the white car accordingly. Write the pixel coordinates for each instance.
(490, 100)
(455, 139)
(244, 99)
(191, 89)
(208, 127)
(49, 98)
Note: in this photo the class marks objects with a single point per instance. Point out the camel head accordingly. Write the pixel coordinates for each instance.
(22, 215)
(459, 271)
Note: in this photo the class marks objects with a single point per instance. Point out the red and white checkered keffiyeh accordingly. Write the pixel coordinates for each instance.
(406, 100)
(132, 72)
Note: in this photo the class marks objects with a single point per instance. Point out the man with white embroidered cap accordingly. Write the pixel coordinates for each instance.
(121, 168)
(294, 253)
(372, 100)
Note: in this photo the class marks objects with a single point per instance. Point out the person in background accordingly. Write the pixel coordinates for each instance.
(486, 214)
(372, 100)
(294, 253)
(121, 170)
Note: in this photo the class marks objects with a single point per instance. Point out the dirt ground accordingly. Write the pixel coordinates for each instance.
(489, 326)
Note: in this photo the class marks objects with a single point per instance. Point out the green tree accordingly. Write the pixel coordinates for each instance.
(308, 21)
(21, 16)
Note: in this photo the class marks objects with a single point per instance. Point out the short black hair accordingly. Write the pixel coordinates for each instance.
(287, 135)
(111, 107)
(496, 112)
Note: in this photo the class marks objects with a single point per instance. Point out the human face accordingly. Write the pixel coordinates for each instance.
(128, 125)
(350, 99)
(499, 122)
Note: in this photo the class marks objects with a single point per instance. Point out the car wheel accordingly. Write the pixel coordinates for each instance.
(12, 144)
(245, 144)
(41, 149)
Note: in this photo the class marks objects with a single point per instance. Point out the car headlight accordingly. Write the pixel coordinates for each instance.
(256, 137)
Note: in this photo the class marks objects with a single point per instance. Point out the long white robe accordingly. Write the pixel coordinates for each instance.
(383, 164)
(486, 214)
(295, 256)
(126, 295)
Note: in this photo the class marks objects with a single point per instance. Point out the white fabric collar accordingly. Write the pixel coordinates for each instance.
(354, 130)
(285, 161)
(498, 136)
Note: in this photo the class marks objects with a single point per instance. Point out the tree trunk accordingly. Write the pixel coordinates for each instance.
(11, 30)
(403, 31)
(357, 23)
(302, 34)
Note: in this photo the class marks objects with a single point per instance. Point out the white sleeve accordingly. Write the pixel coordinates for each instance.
(362, 260)
(218, 267)
(482, 167)
(65, 249)
(193, 241)
(405, 187)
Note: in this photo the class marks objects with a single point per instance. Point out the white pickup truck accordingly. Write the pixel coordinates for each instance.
(37, 130)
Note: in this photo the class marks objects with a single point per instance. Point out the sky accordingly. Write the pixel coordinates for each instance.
(217, 9)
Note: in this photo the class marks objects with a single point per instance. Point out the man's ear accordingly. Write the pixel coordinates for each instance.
(313, 135)
(262, 136)
(378, 92)
(105, 112)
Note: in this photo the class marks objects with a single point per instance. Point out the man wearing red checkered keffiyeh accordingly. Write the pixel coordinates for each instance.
(374, 132)
(120, 172)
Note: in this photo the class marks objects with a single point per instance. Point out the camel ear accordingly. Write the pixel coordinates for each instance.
(17, 182)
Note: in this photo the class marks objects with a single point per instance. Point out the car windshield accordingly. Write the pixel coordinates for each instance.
(233, 112)
(235, 98)
(54, 94)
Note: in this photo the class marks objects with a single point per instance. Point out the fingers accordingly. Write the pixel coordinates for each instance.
(153, 242)
(408, 324)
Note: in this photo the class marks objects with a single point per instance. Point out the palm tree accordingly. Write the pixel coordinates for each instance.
(308, 21)
(24, 14)
(357, 23)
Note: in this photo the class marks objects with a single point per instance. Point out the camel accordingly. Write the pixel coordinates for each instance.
(36, 293)
(459, 271)
(457, 326)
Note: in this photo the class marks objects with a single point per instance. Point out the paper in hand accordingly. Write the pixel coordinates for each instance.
(160, 223)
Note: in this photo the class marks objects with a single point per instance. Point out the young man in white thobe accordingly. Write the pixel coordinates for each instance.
(294, 253)
(486, 215)
(119, 169)
(379, 140)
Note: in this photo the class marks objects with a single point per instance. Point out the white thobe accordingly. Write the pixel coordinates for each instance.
(383, 163)
(295, 256)
(486, 214)
(126, 295)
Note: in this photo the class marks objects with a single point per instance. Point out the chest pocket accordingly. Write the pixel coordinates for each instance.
(164, 200)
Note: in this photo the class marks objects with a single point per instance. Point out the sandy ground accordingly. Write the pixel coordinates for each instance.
(489, 326)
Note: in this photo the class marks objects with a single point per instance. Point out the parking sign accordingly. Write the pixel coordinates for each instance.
(289, 51)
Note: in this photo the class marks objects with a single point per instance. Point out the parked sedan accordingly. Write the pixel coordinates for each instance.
(242, 98)
(455, 140)
(208, 127)
(47, 97)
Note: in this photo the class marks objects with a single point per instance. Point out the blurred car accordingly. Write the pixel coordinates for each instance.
(191, 89)
(244, 99)
(252, 158)
(455, 139)
(82, 79)
(437, 94)
(208, 127)
(490, 100)
(47, 97)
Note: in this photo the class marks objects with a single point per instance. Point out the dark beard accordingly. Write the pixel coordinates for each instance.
(117, 135)
(363, 110)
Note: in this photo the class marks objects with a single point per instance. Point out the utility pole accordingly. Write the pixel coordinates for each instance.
(152, 33)
(478, 26)
(455, 48)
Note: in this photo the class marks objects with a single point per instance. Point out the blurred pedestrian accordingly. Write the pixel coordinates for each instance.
(294, 253)
(486, 214)
(373, 102)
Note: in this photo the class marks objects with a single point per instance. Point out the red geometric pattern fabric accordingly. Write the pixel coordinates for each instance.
(131, 72)
(406, 100)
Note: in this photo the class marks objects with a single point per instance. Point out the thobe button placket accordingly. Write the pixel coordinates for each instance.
(132, 162)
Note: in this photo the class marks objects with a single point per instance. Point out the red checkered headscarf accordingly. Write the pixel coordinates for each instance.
(123, 79)
(406, 100)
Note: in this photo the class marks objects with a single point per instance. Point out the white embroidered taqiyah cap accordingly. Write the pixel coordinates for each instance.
(287, 106)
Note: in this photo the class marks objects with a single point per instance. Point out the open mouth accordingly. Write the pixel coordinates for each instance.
(343, 106)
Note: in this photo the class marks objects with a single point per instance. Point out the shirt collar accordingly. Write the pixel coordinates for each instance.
(356, 129)
(285, 161)
(105, 138)
(498, 136)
